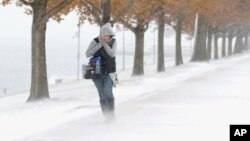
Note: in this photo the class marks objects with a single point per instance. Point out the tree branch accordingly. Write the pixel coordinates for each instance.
(150, 15)
(56, 9)
(127, 25)
(124, 11)
(26, 3)
(95, 11)
(93, 6)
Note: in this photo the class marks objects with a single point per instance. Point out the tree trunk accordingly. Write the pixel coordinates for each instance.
(106, 11)
(199, 53)
(241, 43)
(246, 42)
(138, 68)
(216, 55)
(39, 82)
(238, 43)
(223, 44)
(178, 51)
(209, 41)
(230, 45)
(160, 60)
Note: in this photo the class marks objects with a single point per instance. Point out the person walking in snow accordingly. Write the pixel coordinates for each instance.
(104, 46)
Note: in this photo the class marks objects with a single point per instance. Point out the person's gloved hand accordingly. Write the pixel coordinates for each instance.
(99, 45)
(102, 42)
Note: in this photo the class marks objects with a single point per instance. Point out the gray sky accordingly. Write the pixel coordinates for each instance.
(15, 24)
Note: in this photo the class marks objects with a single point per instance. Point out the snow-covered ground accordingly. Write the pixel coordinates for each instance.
(193, 102)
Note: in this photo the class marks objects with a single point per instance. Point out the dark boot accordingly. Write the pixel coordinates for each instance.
(107, 107)
(111, 105)
(104, 107)
(111, 109)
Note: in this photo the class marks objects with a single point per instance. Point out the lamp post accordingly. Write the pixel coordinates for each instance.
(123, 53)
(154, 46)
(78, 49)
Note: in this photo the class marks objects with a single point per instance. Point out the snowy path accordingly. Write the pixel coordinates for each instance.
(198, 108)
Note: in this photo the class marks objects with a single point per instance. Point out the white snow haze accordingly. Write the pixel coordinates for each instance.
(191, 102)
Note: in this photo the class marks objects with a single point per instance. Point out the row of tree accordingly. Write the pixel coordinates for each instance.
(205, 20)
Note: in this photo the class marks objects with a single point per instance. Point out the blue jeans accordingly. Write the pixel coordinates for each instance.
(104, 86)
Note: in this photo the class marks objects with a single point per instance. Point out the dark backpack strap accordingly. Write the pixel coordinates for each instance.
(97, 39)
(112, 42)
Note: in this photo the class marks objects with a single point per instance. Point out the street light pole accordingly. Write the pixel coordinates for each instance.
(78, 49)
(154, 47)
(123, 49)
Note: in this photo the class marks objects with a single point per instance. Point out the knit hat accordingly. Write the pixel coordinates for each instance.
(107, 30)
